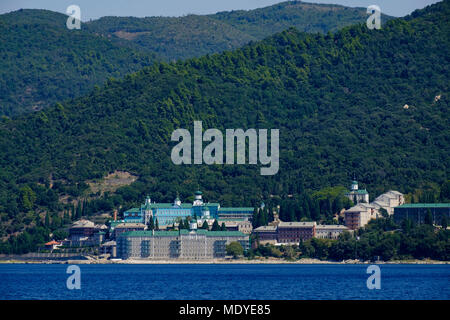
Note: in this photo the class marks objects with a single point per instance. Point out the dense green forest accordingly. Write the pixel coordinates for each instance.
(304, 16)
(338, 99)
(42, 62)
(190, 36)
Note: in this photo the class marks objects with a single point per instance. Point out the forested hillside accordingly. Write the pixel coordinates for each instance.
(190, 36)
(368, 102)
(42, 62)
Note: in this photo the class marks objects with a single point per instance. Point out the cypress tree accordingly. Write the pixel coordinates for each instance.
(255, 218)
(428, 218)
(72, 213)
(151, 224)
(215, 226)
(271, 217)
(265, 217)
(79, 213)
(47, 220)
(260, 218)
(444, 222)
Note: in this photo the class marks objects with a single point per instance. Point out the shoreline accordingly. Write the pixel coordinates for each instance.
(223, 261)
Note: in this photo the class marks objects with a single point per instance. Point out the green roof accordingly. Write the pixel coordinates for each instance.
(162, 206)
(170, 206)
(183, 232)
(362, 191)
(113, 223)
(425, 205)
(225, 233)
(236, 209)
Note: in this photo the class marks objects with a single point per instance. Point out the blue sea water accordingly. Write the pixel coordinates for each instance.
(224, 282)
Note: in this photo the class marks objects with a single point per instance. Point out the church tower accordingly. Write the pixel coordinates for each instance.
(147, 210)
(354, 186)
(198, 201)
(177, 202)
(357, 195)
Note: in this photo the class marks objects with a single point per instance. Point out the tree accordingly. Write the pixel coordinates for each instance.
(407, 225)
(181, 225)
(156, 224)
(255, 218)
(384, 213)
(151, 224)
(47, 220)
(60, 235)
(66, 218)
(445, 191)
(289, 252)
(428, 218)
(78, 211)
(205, 225)
(223, 227)
(444, 222)
(235, 249)
(270, 217)
(28, 197)
(215, 226)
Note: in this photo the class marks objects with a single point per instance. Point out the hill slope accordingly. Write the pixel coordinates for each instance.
(338, 100)
(43, 62)
(195, 35)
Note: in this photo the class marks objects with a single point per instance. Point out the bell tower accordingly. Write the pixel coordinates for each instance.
(147, 210)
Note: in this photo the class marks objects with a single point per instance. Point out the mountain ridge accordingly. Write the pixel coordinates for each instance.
(44, 62)
(157, 33)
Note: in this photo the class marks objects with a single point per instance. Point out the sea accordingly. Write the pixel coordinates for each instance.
(223, 282)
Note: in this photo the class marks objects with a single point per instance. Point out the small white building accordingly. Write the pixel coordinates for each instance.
(389, 201)
(328, 231)
(357, 195)
(358, 216)
(242, 226)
